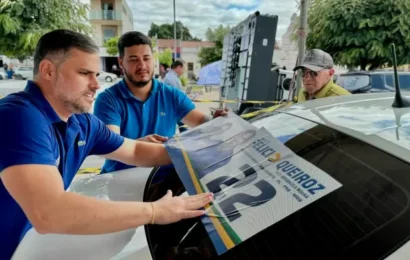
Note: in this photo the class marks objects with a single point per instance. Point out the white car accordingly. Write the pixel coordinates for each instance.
(359, 140)
(107, 77)
(23, 72)
(3, 75)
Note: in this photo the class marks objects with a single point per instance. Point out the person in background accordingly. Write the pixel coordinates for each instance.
(172, 79)
(140, 107)
(317, 71)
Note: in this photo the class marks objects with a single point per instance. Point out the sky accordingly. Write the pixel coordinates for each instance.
(198, 15)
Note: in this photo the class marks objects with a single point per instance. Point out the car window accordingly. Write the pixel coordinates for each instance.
(378, 81)
(404, 81)
(353, 82)
(347, 223)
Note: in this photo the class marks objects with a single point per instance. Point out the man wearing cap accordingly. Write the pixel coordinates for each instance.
(317, 72)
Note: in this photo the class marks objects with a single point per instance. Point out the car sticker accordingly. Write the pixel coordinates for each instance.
(257, 181)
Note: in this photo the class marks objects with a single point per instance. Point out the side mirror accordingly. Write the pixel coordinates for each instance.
(286, 83)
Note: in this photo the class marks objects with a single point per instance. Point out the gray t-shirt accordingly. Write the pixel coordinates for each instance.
(172, 79)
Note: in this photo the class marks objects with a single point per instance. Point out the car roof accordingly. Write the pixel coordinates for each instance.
(367, 117)
(123, 185)
(375, 72)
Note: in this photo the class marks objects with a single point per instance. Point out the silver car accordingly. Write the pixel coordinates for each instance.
(359, 140)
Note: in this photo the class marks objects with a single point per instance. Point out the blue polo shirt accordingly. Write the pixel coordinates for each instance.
(159, 114)
(32, 133)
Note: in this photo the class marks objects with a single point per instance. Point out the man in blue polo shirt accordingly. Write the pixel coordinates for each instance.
(140, 107)
(47, 134)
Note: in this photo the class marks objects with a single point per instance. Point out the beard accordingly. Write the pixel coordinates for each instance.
(135, 83)
(74, 104)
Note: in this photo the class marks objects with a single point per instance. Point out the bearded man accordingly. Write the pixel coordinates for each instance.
(139, 106)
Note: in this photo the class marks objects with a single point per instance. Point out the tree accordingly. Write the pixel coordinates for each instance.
(112, 46)
(166, 31)
(211, 54)
(166, 57)
(23, 22)
(360, 32)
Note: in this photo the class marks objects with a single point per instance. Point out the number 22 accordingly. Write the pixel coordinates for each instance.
(268, 192)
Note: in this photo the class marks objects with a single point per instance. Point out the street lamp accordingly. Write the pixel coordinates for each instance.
(175, 35)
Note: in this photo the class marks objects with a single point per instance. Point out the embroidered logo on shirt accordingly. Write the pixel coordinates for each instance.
(162, 113)
(81, 143)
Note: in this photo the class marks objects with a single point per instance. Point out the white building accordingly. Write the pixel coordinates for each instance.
(109, 18)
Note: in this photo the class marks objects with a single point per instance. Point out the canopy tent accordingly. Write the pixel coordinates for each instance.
(210, 74)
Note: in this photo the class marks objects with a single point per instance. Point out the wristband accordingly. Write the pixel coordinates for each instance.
(153, 213)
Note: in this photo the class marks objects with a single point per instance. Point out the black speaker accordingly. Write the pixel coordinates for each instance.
(247, 59)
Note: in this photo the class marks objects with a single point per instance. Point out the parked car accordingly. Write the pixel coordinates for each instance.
(23, 72)
(359, 140)
(107, 76)
(372, 81)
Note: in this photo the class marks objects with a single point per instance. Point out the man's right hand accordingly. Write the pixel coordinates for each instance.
(171, 209)
(153, 139)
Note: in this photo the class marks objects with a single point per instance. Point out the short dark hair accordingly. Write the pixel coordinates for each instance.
(132, 38)
(60, 42)
(176, 64)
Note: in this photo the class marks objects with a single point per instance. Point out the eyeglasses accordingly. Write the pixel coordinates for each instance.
(312, 73)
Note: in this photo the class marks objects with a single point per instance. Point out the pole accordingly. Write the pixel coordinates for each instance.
(302, 41)
(180, 43)
(175, 35)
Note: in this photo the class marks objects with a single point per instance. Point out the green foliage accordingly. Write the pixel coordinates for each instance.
(112, 46)
(211, 54)
(23, 22)
(184, 80)
(360, 32)
(217, 35)
(166, 31)
(165, 57)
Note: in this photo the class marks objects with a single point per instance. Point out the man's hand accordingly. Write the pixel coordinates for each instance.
(220, 112)
(196, 117)
(153, 139)
(170, 209)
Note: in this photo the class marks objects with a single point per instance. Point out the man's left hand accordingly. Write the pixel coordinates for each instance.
(220, 112)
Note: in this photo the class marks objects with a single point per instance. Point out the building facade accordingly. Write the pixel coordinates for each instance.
(109, 18)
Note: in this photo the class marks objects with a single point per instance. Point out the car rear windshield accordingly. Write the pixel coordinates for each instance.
(367, 218)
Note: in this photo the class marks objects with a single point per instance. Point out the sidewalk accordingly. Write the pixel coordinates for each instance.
(8, 86)
(213, 95)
